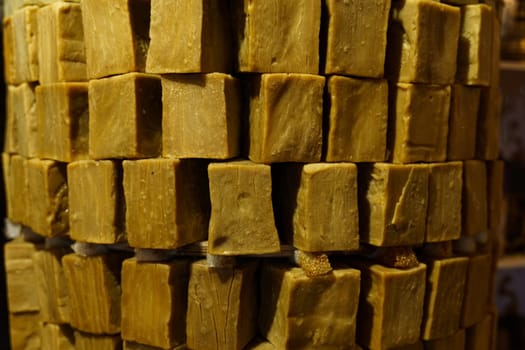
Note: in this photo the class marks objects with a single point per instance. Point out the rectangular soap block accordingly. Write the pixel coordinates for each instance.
(56, 337)
(495, 195)
(299, 312)
(242, 220)
(352, 45)
(167, 202)
(203, 33)
(86, 341)
(474, 200)
(19, 190)
(276, 36)
(392, 198)
(454, 342)
(9, 50)
(63, 121)
(477, 290)
(61, 53)
(357, 119)
(25, 27)
(24, 331)
(116, 36)
(316, 205)
(201, 116)
(125, 114)
(222, 306)
(413, 107)
(489, 123)
(96, 201)
(25, 119)
(285, 122)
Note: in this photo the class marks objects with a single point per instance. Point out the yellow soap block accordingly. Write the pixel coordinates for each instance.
(495, 195)
(63, 121)
(299, 312)
(285, 123)
(86, 341)
(489, 123)
(479, 336)
(25, 120)
(56, 337)
(167, 202)
(474, 200)
(454, 342)
(155, 313)
(96, 201)
(477, 290)
(19, 190)
(357, 121)
(9, 50)
(24, 331)
(125, 114)
(201, 116)
(26, 44)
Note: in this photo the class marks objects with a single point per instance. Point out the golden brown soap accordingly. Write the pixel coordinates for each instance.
(154, 313)
(26, 44)
(454, 342)
(201, 116)
(242, 219)
(86, 341)
(190, 37)
(391, 306)
(276, 36)
(19, 190)
(222, 303)
(413, 107)
(61, 53)
(488, 134)
(285, 123)
(56, 337)
(419, 30)
(464, 108)
(125, 114)
(24, 331)
(392, 198)
(479, 336)
(495, 177)
(357, 121)
(316, 207)
(348, 29)
(116, 36)
(445, 184)
(474, 200)
(298, 312)
(25, 118)
(167, 202)
(9, 50)
(96, 201)
(477, 290)
(63, 121)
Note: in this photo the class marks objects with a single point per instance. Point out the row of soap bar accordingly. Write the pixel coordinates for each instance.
(308, 36)
(241, 206)
(137, 115)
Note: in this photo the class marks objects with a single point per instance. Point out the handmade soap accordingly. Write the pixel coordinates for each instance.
(86, 341)
(479, 336)
(392, 198)
(298, 312)
(24, 331)
(488, 130)
(116, 36)
(357, 120)
(391, 305)
(477, 290)
(276, 36)
(26, 44)
(61, 53)
(201, 116)
(18, 182)
(96, 201)
(56, 337)
(418, 30)
(495, 177)
(242, 219)
(9, 50)
(222, 302)
(454, 342)
(413, 107)
(445, 184)
(63, 120)
(316, 205)
(25, 119)
(167, 202)
(474, 200)
(285, 123)
(125, 114)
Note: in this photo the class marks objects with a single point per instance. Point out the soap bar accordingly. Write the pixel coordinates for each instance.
(298, 312)
(445, 184)
(155, 313)
(48, 195)
(201, 116)
(222, 303)
(18, 182)
(285, 122)
(242, 219)
(96, 201)
(25, 120)
(392, 198)
(125, 114)
(347, 29)
(444, 297)
(24, 331)
(57, 337)
(479, 336)
(477, 290)
(495, 177)
(116, 36)
(474, 200)
(86, 341)
(63, 120)
(202, 33)
(391, 305)
(167, 202)
(413, 107)
(418, 30)
(316, 205)
(488, 130)
(25, 28)
(475, 45)
(464, 108)
(61, 53)
(94, 289)
(454, 342)
(276, 36)
(9, 50)
(357, 121)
